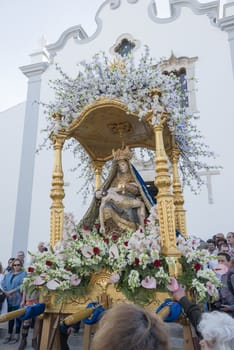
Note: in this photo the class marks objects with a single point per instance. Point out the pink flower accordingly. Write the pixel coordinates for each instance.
(75, 280)
(86, 234)
(74, 237)
(173, 286)
(87, 251)
(106, 240)
(31, 269)
(86, 228)
(38, 280)
(126, 243)
(53, 284)
(114, 278)
(48, 263)
(149, 282)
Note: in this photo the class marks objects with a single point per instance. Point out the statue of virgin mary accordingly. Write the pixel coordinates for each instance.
(124, 200)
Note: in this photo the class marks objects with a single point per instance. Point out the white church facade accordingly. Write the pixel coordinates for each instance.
(197, 40)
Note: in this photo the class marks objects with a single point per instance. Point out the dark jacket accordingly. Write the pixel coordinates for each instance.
(192, 311)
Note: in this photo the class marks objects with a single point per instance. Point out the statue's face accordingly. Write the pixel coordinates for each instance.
(123, 166)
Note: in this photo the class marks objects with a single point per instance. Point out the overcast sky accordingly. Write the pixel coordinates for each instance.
(24, 22)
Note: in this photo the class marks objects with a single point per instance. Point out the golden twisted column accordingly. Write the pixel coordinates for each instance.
(180, 217)
(57, 192)
(165, 200)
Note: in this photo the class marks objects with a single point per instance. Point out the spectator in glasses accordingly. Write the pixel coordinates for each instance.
(11, 286)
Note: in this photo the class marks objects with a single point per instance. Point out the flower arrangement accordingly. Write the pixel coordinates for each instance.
(202, 282)
(131, 82)
(134, 260)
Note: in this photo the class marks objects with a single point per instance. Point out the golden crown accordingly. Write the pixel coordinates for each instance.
(122, 153)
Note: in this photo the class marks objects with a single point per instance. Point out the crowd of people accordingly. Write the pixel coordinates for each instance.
(223, 248)
(14, 298)
(127, 326)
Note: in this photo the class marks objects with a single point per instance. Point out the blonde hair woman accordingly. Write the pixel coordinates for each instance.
(127, 326)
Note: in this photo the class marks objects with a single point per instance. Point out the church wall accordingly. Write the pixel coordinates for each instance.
(190, 35)
(12, 123)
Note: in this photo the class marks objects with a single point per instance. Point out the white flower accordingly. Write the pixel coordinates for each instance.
(134, 279)
(133, 86)
(200, 289)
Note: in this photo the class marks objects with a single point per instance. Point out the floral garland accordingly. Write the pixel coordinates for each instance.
(131, 83)
(202, 282)
(134, 260)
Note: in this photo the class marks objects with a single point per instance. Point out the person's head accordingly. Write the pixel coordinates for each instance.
(203, 245)
(216, 329)
(211, 245)
(17, 265)
(224, 258)
(9, 263)
(20, 255)
(41, 247)
(230, 238)
(127, 326)
(220, 242)
(218, 236)
(223, 248)
(123, 166)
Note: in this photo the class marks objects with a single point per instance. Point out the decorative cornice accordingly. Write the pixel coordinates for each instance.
(210, 9)
(77, 32)
(226, 24)
(35, 69)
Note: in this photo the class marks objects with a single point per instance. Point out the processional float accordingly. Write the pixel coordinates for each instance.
(98, 129)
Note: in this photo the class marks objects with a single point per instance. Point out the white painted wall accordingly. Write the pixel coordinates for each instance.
(12, 123)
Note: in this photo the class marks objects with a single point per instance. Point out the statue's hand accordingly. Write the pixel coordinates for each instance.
(102, 230)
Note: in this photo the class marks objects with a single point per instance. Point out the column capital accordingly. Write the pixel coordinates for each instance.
(34, 69)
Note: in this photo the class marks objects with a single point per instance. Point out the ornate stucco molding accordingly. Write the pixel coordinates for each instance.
(210, 9)
(77, 32)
